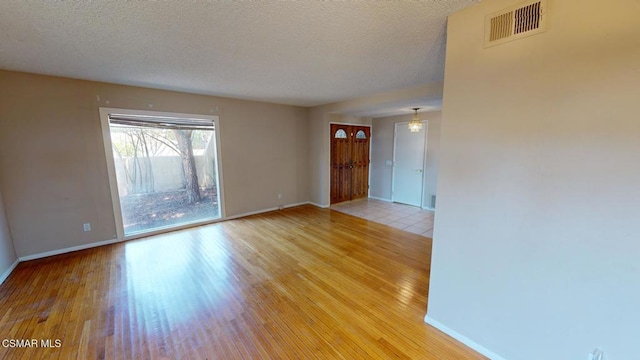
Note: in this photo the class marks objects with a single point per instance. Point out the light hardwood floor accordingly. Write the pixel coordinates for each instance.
(300, 283)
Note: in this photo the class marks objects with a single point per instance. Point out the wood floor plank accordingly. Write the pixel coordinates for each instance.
(299, 283)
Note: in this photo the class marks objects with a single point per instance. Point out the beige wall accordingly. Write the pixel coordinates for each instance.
(382, 151)
(52, 160)
(535, 252)
(7, 252)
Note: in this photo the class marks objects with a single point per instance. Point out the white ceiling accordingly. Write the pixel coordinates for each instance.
(400, 107)
(303, 53)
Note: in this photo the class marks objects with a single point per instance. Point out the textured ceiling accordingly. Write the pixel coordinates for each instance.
(292, 52)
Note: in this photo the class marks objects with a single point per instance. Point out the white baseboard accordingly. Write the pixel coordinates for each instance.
(112, 241)
(265, 210)
(67, 250)
(379, 198)
(297, 204)
(318, 205)
(233, 217)
(428, 208)
(463, 339)
(7, 272)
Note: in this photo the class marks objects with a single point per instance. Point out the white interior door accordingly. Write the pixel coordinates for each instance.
(408, 165)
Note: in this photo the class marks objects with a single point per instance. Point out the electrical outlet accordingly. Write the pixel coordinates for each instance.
(86, 226)
(280, 196)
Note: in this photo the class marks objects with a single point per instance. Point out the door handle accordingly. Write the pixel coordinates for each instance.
(419, 171)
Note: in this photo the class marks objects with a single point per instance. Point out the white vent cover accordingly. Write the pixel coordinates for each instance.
(515, 22)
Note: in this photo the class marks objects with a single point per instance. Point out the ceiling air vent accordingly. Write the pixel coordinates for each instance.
(515, 22)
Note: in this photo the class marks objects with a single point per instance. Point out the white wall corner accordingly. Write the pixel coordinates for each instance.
(463, 339)
(8, 272)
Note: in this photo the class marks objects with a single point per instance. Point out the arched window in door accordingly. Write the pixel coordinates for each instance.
(340, 134)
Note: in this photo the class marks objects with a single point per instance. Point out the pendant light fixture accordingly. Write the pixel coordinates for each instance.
(415, 125)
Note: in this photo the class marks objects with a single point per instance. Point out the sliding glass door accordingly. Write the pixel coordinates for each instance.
(165, 169)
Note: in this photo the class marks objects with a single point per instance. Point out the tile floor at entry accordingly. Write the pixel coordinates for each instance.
(406, 217)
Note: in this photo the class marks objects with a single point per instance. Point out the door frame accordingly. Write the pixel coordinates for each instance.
(425, 126)
(329, 152)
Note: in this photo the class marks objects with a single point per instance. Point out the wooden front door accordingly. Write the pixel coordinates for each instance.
(349, 162)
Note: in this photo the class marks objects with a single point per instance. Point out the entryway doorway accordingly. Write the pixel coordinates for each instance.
(349, 162)
(408, 164)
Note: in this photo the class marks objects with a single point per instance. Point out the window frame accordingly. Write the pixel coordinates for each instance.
(113, 186)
